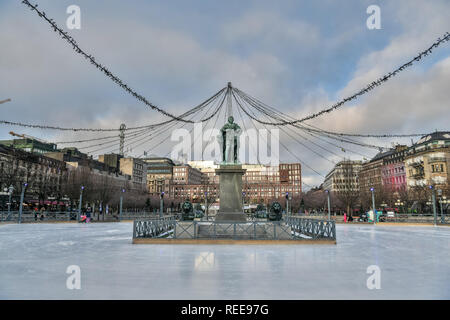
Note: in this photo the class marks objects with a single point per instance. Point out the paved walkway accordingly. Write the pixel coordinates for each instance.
(414, 263)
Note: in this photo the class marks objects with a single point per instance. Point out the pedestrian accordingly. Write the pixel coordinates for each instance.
(345, 217)
(42, 213)
(88, 216)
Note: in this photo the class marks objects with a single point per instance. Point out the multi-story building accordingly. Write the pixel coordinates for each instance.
(103, 182)
(393, 172)
(385, 171)
(73, 155)
(43, 175)
(159, 174)
(427, 161)
(30, 144)
(261, 183)
(112, 160)
(137, 169)
(370, 173)
(344, 177)
(191, 181)
(187, 183)
(102, 178)
(185, 174)
(208, 168)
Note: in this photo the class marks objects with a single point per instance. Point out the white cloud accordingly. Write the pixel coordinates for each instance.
(271, 29)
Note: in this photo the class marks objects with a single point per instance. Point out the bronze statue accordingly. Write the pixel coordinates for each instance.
(229, 141)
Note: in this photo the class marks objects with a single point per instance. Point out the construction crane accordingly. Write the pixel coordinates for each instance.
(25, 136)
(3, 101)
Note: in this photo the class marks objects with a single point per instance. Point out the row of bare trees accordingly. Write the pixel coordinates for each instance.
(416, 199)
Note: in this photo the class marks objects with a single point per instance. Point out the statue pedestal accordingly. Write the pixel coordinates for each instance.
(230, 193)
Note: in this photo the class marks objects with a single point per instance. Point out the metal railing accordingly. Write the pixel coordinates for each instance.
(153, 228)
(290, 229)
(27, 216)
(419, 218)
(314, 228)
(32, 216)
(398, 217)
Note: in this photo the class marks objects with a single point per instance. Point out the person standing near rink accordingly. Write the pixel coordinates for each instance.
(88, 215)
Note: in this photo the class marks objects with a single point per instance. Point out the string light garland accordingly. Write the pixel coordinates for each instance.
(201, 106)
(139, 97)
(284, 117)
(276, 115)
(101, 67)
(367, 88)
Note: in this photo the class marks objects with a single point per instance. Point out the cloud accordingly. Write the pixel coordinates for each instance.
(270, 30)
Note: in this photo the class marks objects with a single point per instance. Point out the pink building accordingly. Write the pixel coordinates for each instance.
(393, 172)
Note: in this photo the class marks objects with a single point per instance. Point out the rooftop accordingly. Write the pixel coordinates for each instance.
(437, 135)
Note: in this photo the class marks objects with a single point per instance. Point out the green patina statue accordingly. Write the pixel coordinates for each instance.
(187, 211)
(275, 212)
(229, 141)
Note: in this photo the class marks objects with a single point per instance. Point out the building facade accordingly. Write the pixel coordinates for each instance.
(427, 162)
(137, 169)
(44, 176)
(344, 177)
(31, 145)
(393, 173)
(112, 160)
(198, 179)
(159, 174)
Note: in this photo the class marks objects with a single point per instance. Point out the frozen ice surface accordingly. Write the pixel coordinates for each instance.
(414, 263)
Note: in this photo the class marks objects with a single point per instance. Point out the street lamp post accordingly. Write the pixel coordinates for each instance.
(121, 201)
(443, 200)
(79, 205)
(439, 192)
(10, 189)
(433, 199)
(373, 206)
(161, 205)
(329, 204)
(206, 205)
(21, 201)
(287, 204)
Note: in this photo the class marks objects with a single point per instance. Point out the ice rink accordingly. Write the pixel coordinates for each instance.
(414, 263)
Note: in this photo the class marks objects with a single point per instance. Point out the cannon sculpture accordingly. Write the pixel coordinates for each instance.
(198, 211)
(260, 212)
(187, 211)
(275, 212)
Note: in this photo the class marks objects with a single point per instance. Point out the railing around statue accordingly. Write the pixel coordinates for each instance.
(154, 228)
(314, 228)
(289, 229)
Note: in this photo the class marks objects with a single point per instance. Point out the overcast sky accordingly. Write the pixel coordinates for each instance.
(298, 56)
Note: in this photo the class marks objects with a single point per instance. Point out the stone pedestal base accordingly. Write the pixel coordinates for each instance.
(231, 216)
(230, 193)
